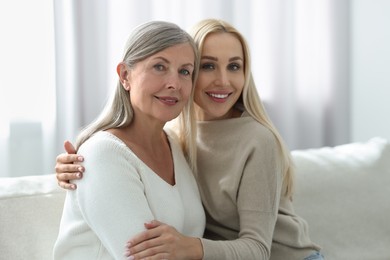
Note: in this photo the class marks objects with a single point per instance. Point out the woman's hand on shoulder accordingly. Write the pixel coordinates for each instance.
(67, 168)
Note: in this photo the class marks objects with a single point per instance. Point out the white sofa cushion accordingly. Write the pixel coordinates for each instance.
(344, 194)
(30, 213)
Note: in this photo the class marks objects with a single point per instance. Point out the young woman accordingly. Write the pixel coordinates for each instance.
(138, 170)
(244, 171)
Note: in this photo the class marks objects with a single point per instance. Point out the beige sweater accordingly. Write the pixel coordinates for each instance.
(240, 181)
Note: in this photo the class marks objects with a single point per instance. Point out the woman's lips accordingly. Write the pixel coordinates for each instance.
(168, 100)
(218, 97)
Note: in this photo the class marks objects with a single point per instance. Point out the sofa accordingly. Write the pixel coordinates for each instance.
(343, 192)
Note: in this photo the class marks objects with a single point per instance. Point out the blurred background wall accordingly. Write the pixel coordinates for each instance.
(321, 67)
(370, 73)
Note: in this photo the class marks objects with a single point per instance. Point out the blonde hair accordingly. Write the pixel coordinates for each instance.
(249, 97)
(146, 40)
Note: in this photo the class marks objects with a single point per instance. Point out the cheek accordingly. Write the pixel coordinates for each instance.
(201, 83)
(202, 80)
(197, 91)
(186, 90)
(239, 83)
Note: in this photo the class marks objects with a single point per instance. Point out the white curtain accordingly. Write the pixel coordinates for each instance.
(300, 53)
(300, 57)
(27, 105)
(301, 49)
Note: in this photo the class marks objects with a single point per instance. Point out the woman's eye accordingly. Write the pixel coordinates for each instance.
(207, 66)
(159, 67)
(234, 66)
(185, 72)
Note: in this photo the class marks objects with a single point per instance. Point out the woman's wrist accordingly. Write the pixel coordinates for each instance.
(196, 248)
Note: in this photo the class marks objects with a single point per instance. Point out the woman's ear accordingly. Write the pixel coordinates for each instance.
(123, 72)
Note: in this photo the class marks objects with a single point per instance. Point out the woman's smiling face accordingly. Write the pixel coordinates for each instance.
(161, 85)
(221, 77)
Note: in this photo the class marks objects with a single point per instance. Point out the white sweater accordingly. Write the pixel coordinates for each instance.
(117, 195)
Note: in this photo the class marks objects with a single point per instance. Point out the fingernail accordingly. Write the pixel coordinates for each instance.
(78, 175)
(130, 257)
(80, 158)
(80, 169)
(73, 187)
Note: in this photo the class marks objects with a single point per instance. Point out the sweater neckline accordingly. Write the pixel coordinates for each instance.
(173, 151)
(245, 116)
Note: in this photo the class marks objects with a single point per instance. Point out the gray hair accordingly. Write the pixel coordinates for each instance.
(146, 40)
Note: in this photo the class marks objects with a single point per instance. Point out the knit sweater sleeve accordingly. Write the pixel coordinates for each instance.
(258, 195)
(111, 195)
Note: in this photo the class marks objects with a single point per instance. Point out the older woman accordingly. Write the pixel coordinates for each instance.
(137, 171)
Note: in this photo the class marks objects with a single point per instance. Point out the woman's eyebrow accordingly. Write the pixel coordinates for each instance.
(216, 59)
(209, 58)
(236, 58)
(168, 62)
(161, 58)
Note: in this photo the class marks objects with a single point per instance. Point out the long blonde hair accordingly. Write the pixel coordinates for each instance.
(146, 40)
(249, 97)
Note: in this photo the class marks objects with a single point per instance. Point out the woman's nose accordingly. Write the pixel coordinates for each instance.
(173, 81)
(222, 79)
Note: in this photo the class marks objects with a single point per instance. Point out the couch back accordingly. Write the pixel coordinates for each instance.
(343, 192)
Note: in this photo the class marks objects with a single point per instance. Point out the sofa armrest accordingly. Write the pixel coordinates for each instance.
(30, 213)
